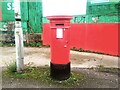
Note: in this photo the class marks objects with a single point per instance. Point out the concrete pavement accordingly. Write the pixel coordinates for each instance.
(41, 57)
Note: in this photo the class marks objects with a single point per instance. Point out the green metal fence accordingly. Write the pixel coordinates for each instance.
(35, 17)
(31, 14)
(106, 12)
(108, 8)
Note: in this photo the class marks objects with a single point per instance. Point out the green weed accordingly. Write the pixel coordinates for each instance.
(34, 44)
(42, 74)
(12, 67)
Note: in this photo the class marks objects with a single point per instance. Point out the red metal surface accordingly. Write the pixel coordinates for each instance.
(77, 35)
(46, 34)
(60, 47)
(97, 37)
(59, 53)
(102, 38)
(61, 17)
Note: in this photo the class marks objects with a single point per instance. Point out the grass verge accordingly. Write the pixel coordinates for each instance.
(42, 74)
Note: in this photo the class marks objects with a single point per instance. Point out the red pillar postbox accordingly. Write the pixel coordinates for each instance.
(60, 46)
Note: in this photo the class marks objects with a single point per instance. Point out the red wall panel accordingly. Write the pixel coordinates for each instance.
(102, 37)
(46, 34)
(77, 35)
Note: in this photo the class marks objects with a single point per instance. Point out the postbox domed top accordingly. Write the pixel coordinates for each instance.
(60, 17)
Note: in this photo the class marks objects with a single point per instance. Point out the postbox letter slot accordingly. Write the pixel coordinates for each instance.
(59, 33)
(59, 24)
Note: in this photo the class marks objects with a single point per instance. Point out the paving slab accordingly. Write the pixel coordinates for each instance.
(41, 57)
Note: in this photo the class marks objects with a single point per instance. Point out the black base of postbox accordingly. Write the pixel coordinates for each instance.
(60, 71)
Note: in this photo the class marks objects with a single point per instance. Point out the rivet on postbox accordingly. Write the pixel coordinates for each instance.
(59, 46)
(65, 46)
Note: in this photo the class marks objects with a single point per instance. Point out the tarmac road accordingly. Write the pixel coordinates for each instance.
(93, 79)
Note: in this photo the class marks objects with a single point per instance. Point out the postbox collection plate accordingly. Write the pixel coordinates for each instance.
(59, 33)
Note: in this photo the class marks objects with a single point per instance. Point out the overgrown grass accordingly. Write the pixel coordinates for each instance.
(12, 67)
(7, 44)
(42, 74)
(33, 44)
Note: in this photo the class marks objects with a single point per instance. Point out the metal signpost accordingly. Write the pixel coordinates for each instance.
(18, 38)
